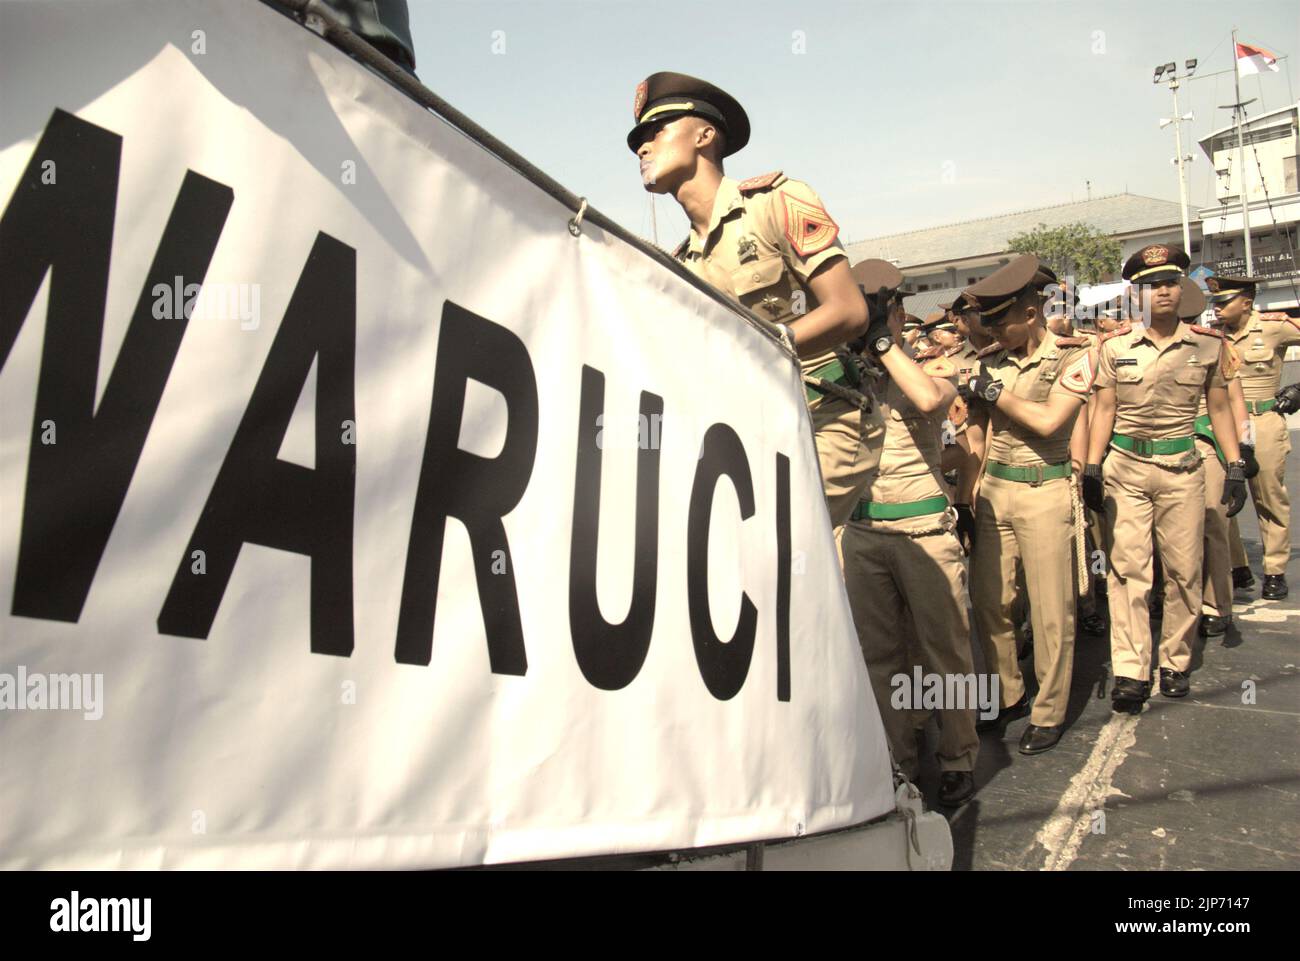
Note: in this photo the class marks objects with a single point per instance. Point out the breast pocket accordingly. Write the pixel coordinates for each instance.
(761, 286)
(1130, 386)
(1191, 381)
(1257, 355)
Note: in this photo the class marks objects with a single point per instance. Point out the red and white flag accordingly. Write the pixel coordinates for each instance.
(1252, 59)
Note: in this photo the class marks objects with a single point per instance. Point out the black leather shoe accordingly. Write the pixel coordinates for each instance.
(1005, 716)
(1037, 739)
(1093, 624)
(1274, 587)
(1242, 579)
(1173, 683)
(956, 788)
(1128, 695)
(1212, 625)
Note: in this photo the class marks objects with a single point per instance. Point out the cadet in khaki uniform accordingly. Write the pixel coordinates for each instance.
(1149, 382)
(1216, 576)
(903, 565)
(769, 244)
(1026, 398)
(1261, 341)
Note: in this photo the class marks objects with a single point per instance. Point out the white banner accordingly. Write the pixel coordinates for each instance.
(353, 512)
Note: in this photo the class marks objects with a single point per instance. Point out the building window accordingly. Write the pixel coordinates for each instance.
(923, 287)
(969, 281)
(1196, 247)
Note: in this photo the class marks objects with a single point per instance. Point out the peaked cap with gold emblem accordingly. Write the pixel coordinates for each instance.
(1002, 288)
(1156, 262)
(1224, 288)
(667, 96)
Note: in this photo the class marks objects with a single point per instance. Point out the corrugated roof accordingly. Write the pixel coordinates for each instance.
(1114, 214)
(928, 301)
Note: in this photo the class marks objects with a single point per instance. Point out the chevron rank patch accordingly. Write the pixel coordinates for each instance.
(1080, 375)
(808, 226)
(939, 367)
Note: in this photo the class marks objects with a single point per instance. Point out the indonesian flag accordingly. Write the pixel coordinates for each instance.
(1252, 59)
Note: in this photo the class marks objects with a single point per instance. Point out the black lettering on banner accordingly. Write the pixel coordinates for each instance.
(723, 665)
(258, 498)
(76, 486)
(477, 491)
(782, 577)
(610, 655)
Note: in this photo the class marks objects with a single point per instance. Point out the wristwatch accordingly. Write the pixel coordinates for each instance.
(992, 391)
(882, 345)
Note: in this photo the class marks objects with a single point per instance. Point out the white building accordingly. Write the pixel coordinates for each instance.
(1272, 198)
(939, 262)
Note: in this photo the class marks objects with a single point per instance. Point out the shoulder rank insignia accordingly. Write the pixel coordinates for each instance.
(992, 348)
(1207, 331)
(1071, 342)
(1124, 328)
(759, 182)
(1080, 375)
(1279, 315)
(808, 226)
(939, 367)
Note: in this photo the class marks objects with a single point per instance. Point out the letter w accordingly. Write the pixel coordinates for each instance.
(76, 486)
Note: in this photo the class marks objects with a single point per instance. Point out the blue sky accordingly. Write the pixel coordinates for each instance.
(902, 115)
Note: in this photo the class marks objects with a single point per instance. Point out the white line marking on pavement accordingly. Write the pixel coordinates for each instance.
(1063, 832)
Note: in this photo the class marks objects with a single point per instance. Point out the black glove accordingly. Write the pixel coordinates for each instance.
(980, 387)
(1288, 399)
(1248, 455)
(965, 527)
(878, 307)
(1234, 489)
(1094, 489)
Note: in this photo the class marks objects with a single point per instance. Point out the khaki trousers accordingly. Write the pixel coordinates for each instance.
(893, 579)
(1216, 567)
(1237, 549)
(1142, 500)
(1027, 530)
(1268, 491)
(848, 448)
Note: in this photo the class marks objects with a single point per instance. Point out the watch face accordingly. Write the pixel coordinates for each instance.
(883, 344)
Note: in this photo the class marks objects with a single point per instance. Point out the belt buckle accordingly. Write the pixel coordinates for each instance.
(1037, 482)
(1145, 448)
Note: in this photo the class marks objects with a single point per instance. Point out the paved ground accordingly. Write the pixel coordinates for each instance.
(1208, 782)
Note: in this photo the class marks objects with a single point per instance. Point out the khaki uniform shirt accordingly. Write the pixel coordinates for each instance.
(1261, 345)
(1060, 365)
(909, 464)
(1158, 390)
(752, 249)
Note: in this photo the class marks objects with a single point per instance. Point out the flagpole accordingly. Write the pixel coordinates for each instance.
(1238, 111)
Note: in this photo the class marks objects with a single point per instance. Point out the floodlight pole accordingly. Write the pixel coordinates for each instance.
(1238, 110)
